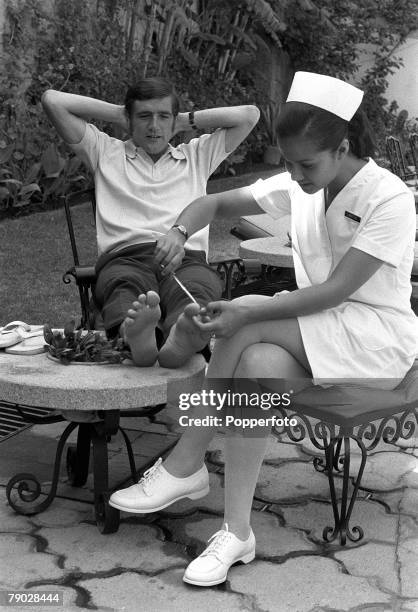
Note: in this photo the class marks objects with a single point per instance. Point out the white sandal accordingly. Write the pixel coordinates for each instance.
(16, 331)
(29, 346)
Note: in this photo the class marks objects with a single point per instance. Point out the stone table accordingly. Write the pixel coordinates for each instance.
(92, 398)
(272, 251)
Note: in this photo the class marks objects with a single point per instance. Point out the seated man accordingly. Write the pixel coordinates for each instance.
(142, 185)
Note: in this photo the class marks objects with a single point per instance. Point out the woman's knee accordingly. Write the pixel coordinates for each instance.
(264, 360)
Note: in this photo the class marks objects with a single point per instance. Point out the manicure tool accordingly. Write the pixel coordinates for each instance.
(186, 291)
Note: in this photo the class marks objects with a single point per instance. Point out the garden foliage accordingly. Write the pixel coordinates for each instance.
(209, 48)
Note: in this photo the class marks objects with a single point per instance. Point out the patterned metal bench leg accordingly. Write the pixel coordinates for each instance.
(332, 439)
(342, 510)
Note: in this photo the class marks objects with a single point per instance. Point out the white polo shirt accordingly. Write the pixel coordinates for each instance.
(375, 332)
(139, 200)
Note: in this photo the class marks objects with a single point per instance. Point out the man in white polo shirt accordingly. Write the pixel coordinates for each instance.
(142, 185)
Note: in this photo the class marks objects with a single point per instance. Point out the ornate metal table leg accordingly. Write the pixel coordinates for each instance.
(78, 457)
(107, 518)
(20, 484)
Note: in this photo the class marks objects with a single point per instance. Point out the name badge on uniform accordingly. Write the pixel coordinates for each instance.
(352, 216)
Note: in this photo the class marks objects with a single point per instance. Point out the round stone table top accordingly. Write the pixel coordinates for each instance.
(269, 251)
(36, 380)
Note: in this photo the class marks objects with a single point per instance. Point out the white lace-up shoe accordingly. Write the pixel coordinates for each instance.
(157, 489)
(225, 549)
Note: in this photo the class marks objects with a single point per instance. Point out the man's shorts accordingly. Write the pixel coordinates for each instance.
(123, 275)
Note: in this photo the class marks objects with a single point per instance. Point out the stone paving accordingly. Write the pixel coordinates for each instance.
(140, 567)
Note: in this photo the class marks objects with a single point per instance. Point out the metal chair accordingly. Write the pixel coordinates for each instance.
(397, 160)
(413, 145)
(84, 275)
(239, 276)
(348, 415)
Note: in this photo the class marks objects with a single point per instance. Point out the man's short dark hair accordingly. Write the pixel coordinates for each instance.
(150, 88)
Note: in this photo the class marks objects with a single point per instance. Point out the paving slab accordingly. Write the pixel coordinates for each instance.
(374, 561)
(141, 566)
(27, 453)
(377, 524)
(272, 540)
(276, 451)
(165, 421)
(164, 592)
(409, 502)
(19, 569)
(408, 528)
(410, 478)
(292, 480)
(303, 585)
(140, 547)
(409, 606)
(63, 513)
(385, 471)
(408, 561)
(9, 520)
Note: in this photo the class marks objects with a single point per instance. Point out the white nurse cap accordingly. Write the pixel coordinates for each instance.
(326, 92)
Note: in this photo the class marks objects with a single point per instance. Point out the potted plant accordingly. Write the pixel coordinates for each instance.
(82, 346)
(269, 116)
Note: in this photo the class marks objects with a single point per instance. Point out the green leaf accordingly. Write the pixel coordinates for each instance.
(29, 189)
(4, 193)
(69, 328)
(11, 181)
(72, 165)
(6, 153)
(190, 57)
(48, 335)
(33, 173)
(51, 161)
(83, 346)
(210, 37)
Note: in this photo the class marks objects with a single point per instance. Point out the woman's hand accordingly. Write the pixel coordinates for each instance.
(222, 319)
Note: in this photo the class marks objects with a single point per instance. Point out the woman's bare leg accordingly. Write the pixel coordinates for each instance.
(189, 453)
(244, 454)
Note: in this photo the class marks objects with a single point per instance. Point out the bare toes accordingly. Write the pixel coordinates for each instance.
(191, 310)
(152, 299)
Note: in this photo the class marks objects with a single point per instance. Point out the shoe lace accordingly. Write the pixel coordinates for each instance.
(217, 542)
(150, 476)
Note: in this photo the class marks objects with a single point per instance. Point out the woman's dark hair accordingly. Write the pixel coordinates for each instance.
(149, 88)
(325, 129)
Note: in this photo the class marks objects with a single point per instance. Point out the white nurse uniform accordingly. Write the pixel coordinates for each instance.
(374, 334)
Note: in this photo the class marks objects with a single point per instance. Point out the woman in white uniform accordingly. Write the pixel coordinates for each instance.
(353, 234)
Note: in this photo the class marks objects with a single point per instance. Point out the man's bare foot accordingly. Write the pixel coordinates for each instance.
(138, 328)
(184, 340)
